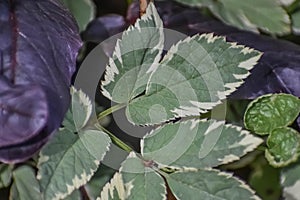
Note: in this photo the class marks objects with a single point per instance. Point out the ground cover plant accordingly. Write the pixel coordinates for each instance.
(213, 85)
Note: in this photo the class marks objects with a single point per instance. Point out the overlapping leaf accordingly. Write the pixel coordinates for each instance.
(39, 42)
(195, 75)
(25, 185)
(243, 14)
(135, 181)
(83, 10)
(197, 144)
(136, 55)
(70, 159)
(283, 146)
(208, 184)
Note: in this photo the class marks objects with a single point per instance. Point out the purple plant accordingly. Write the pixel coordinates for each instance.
(39, 42)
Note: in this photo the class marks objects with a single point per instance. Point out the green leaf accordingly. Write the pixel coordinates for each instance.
(265, 179)
(81, 108)
(283, 146)
(5, 175)
(271, 111)
(208, 184)
(83, 10)
(135, 181)
(195, 75)
(25, 185)
(296, 22)
(69, 160)
(254, 15)
(75, 195)
(135, 57)
(290, 180)
(197, 144)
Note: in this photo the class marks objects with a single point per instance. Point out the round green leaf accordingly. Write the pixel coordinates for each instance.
(83, 11)
(283, 146)
(271, 111)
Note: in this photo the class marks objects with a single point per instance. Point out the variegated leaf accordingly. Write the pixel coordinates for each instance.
(135, 181)
(135, 57)
(81, 108)
(251, 15)
(197, 144)
(195, 75)
(208, 184)
(69, 160)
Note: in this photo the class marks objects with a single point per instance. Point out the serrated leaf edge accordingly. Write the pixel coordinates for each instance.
(249, 141)
(77, 181)
(227, 175)
(111, 68)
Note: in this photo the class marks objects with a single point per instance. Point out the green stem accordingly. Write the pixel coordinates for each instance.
(293, 7)
(111, 110)
(261, 148)
(115, 139)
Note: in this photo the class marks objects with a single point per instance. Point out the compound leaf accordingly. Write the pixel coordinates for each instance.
(208, 184)
(197, 144)
(136, 55)
(271, 111)
(195, 75)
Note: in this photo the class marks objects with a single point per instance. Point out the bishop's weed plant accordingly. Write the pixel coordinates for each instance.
(187, 154)
(194, 76)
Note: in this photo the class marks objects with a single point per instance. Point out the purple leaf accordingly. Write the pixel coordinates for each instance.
(39, 42)
(104, 27)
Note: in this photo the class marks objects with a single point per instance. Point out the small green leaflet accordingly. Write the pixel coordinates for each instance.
(265, 179)
(136, 55)
(290, 180)
(70, 159)
(208, 184)
(25, 185)
(197, 144)
(296, 22)
(83, 10)
(135, 181)
(283, 146)
(81, 108)
(5, 175)
(271, 111)
(253, 15)
(195, 75)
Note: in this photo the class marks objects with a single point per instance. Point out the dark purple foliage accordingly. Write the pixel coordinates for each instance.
(277, 71)
(39, 42)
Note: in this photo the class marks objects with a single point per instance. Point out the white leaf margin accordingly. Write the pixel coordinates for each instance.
(111, 68)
